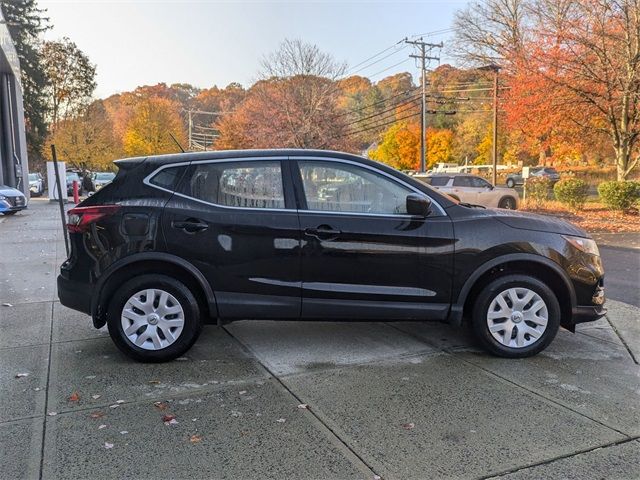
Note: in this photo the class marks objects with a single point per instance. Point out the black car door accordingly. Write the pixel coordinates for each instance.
(234, 220)
(363, 256)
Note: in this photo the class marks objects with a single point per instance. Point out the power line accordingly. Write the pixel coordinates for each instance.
(378, 126)
(400, 104)
(389, 68)
(379, 102)
(374, 56)
(377, 61)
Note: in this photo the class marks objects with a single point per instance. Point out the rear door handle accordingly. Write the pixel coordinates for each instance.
(322, 232)
(191, 225)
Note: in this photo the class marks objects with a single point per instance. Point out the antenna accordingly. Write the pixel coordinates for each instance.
(177, 142)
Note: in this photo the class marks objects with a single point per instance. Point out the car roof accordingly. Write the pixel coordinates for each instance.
(227, 154)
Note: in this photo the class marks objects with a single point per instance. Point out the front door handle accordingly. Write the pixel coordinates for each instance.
(191, 225)
(322, 232)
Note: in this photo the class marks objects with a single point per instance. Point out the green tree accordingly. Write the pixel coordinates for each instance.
(26, 22)
(71, 79)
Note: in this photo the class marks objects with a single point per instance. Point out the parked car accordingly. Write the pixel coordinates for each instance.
(74, 177)
(11, 200)
(36, 184)
(101, 179)
(179, 240)
(473, 189)
(549, 173)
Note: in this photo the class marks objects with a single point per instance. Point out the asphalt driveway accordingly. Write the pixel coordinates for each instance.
(301, 400)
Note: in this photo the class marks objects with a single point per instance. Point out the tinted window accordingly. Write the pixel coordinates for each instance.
(341, 187)
(248, 184)
(550, 170)
(106, 176)
(479, 182)
(463, 182)
(166, 178)
(33, 176)
(439, 181)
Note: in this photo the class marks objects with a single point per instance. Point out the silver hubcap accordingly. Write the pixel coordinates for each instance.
(517, 317)
(152, 319)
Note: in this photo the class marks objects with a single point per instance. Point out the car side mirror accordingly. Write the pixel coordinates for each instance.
(418, 205)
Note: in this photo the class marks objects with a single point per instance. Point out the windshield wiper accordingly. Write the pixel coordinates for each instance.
(470, 205)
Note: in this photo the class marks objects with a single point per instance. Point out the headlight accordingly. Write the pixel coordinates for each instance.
(586, 245)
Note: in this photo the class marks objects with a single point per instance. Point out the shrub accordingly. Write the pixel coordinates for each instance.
(537, 189)
(571, 192)
(620, 195)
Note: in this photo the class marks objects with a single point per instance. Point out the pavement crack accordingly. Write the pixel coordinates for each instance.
(46, 398)
(342, 442)
(559, 457)
(621, 338)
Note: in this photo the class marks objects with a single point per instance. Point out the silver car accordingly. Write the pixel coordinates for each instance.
(473, 189)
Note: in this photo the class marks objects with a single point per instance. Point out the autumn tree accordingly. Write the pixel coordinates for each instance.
(149, 128)
(294, 105)
(71, 79)
(577, 61)
(86, 141)
(26, 22)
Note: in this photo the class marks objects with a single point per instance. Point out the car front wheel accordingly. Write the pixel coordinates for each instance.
(154, 318)
(516, 316)
(508, 202)
(511, 183)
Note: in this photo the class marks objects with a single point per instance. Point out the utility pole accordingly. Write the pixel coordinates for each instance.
(424, 48)
(494, 157)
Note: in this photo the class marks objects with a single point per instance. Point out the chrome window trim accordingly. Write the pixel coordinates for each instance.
(375, 170)
(147, 181)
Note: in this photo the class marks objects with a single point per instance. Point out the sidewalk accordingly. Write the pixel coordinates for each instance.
(301, 399)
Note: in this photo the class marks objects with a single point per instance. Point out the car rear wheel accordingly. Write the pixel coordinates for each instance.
(511, 182)
(516, 316)
(507, 202)
(154, 318)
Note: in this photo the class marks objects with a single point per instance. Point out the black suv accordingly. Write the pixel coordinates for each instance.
(176, 241)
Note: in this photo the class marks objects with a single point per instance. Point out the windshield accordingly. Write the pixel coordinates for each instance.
(33, 177)
(71, 176)
(105, 176)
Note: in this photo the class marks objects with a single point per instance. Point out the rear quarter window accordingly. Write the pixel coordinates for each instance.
(167, 178)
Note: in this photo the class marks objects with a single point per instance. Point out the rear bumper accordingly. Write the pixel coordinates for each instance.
(75, 295)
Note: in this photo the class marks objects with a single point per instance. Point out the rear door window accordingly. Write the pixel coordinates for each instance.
(463, 182)
(241, 184)
(439, 181)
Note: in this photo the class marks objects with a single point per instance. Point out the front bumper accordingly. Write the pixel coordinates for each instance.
(587, 313)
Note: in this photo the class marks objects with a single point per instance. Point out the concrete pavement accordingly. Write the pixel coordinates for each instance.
(402, 400)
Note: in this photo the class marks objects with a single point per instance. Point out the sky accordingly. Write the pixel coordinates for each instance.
(206, 43)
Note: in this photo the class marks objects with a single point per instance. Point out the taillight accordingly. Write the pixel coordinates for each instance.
(80, 218)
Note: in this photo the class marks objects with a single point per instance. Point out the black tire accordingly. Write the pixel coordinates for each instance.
(508, 202)
(192, 322)
(511, 182)
(481, 310)
(12, 212)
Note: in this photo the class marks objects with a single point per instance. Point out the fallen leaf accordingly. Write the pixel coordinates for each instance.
(408, 426)
(21, 375)
(74, 397)
(114, 406)
(242, 392)
(95, 397)
(96, 415)
(160, 405)
(154, 382)
(281, 420)
(7, 305)
(195, 438)
(123, 432)
(89, 377)
(303, 406)
(101, 427)
(119, 402)
(52, 414)
(173, 421)
(108, 445)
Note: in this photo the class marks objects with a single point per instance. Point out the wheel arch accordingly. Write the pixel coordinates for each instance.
(529, 264)
(151, 262)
